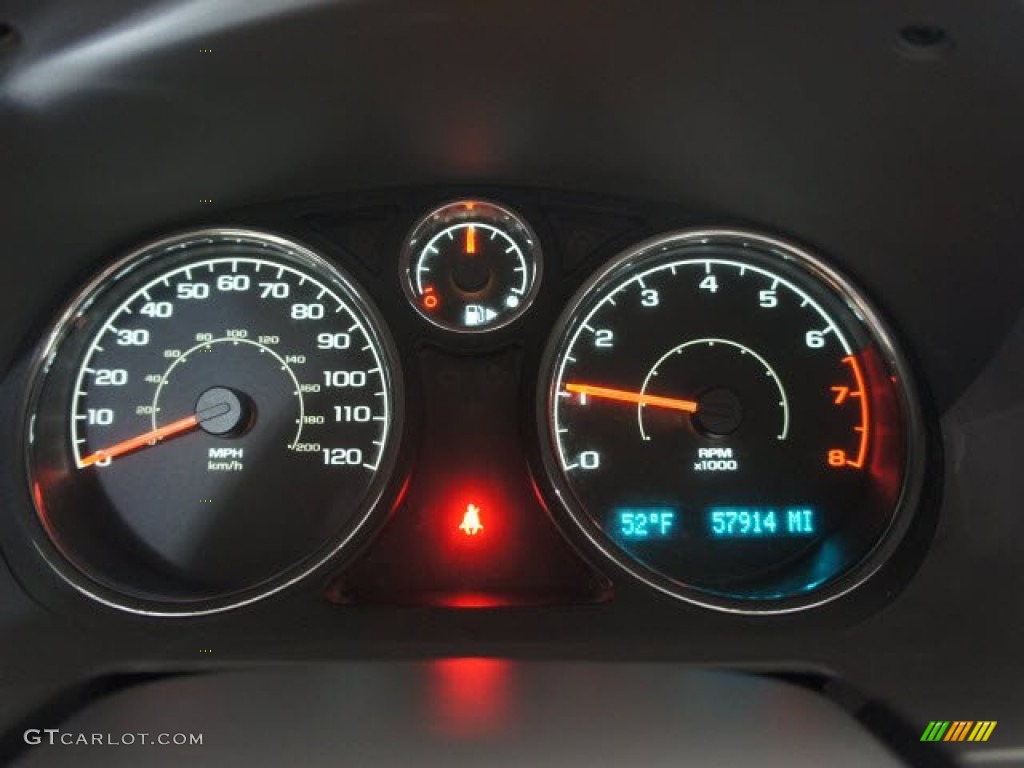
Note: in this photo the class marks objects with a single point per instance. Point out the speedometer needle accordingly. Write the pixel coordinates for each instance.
(147, 438)
(625, 396)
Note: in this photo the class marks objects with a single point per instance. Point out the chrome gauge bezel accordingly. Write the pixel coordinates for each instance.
(814, 268)
(454, 212)
(373, 507)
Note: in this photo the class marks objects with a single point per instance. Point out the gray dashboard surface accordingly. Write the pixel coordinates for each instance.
(470, 712)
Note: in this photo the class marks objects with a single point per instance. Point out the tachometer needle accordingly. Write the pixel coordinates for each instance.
(625, 396)
(178, 427)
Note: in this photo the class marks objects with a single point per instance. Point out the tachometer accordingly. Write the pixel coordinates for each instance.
(216, 416)
(728, 419)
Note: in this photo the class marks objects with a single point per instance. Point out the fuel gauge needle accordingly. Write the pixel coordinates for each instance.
(625, 396)
(179, 427)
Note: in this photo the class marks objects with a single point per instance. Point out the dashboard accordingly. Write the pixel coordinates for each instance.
(674, 337)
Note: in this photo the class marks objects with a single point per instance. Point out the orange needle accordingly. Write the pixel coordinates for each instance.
(148, 438)
(470, 240)
(690, 406)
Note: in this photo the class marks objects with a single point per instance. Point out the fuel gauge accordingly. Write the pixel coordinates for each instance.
(471, 266)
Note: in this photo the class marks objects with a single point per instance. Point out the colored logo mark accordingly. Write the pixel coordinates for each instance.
(958, 730)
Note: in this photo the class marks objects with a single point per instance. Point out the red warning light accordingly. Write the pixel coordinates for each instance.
(430, 299)
(471, 524)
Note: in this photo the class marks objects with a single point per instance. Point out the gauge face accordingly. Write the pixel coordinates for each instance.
(729, 422)
(216, 417)
(471, 266)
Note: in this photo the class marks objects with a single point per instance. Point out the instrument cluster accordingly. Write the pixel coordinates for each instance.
(477, 416)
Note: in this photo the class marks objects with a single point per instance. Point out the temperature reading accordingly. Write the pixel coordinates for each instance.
(655, 523)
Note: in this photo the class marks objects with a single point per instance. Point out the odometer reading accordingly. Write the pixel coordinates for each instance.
(726, 425)
(229, 414)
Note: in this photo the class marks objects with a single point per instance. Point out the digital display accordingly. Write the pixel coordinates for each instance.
(640, 523)
(761, 522)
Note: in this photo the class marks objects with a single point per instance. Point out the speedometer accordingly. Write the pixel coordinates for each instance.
(216, 416)
(729, 421)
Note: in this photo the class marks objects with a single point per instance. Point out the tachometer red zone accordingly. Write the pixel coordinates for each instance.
(845, 396)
